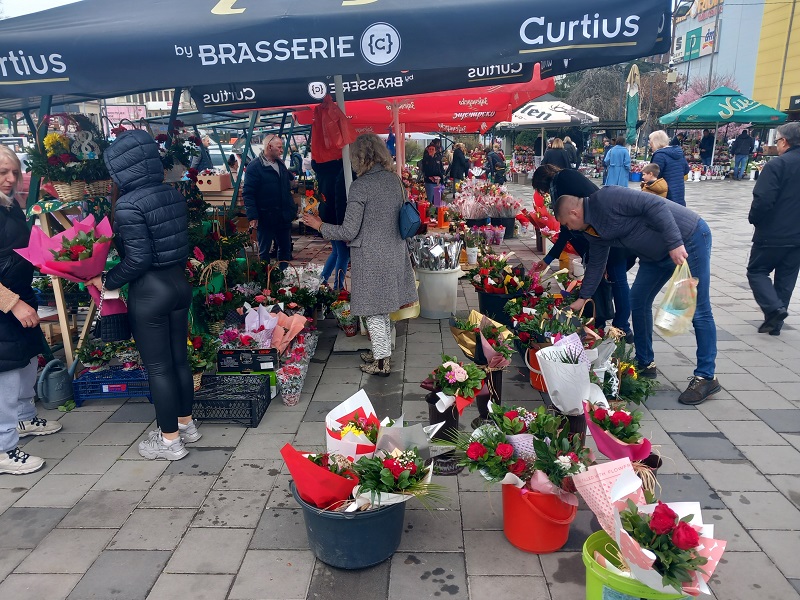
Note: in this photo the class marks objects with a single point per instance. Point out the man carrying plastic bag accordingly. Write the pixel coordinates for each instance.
(663, 235)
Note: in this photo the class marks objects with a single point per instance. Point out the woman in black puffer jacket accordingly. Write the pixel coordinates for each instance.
(151, 234)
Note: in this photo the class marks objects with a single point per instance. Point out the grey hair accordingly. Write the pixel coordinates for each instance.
(659, 138)
(6, 152)
(790, 132)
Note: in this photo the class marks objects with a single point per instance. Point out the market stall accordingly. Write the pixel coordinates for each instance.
(721, 106)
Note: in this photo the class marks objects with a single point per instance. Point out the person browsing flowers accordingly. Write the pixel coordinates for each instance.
(381, 271)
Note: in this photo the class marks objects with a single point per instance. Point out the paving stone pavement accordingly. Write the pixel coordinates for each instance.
(99, 522)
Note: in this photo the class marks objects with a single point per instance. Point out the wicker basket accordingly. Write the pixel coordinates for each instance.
(216, 327)
(197, 379)
(70, 192)
(98, 188)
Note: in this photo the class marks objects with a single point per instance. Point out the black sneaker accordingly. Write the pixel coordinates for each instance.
(648, 372)
(699, 390)
(773, 320)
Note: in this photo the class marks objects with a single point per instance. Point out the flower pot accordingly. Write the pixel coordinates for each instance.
(482, 404)
(477, 222)
(472, 256)
(290, 398)
(536, 522)
(602, 583)
(351, 329)
(492, 305)
(70, 192)
(446, 463)
(354, 540)
(532, 362)
(508, 223)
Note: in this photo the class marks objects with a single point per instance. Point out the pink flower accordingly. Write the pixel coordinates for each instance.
(261, 299)
(198, 254)
(460, 374)
(450, 376)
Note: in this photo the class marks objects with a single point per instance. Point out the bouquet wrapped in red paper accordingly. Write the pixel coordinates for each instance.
(77, 254)
(324, 480)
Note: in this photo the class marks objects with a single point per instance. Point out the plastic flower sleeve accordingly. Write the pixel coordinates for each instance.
(598, 488)
(612, 447)
(315, 484)
(567, 384)
(382, 498)
(398, 437)
(350, 445)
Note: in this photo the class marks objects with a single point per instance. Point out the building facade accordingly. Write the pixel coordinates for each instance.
(757, 45)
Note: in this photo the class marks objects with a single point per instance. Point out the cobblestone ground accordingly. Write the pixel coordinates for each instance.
(99, 522)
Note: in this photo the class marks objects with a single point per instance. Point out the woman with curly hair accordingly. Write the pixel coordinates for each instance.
(381, 271)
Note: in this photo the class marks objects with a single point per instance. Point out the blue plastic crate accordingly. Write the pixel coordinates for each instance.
(113, 382)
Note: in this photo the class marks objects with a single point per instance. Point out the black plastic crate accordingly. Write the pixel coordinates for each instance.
(113, 382)
(233, 398)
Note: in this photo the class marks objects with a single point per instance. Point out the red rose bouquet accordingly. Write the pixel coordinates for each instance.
(81, 247)
(396, 477)
(487, 450)
(616, 433)
(323, 480)
(668, 550)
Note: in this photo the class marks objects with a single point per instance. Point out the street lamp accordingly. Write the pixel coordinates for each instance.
(689, 62)
(683, 8)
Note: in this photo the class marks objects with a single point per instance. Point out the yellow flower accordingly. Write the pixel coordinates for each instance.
(56, 143)
(351, 428)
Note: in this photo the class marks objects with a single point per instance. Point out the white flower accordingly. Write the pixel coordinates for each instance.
(564, 463)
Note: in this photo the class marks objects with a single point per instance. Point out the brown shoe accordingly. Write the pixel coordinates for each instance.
(373, 368)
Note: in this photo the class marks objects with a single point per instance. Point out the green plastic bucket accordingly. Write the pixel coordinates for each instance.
(601, 584)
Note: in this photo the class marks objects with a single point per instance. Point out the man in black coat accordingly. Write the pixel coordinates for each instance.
(741, 149)
(268, 200)
(775, 212)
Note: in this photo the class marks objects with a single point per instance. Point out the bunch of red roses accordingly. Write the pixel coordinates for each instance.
(673, 540)
(622, 424)
(492, 455)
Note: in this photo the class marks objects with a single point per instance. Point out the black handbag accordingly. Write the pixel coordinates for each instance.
(111, 328)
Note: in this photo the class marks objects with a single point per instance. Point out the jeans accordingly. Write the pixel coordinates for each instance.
(16, 402)
(740, 165)
(158, 308)
(785, 261)
(706, 160)
(651, 278)
(282, 236)
(337, 263)
(617, 270)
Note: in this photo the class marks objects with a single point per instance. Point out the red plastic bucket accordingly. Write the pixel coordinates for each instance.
(536, 522)
(532, 362)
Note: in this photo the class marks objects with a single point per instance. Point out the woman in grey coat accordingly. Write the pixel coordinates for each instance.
(381, 271)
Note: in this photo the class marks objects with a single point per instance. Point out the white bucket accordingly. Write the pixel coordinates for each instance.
(472, 256)
(577, 267)
(438, 292)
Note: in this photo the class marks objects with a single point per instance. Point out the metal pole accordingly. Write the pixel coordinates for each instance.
(247, 137)
(173, 113)
(396, 130)
(38, 138)
(714, 46)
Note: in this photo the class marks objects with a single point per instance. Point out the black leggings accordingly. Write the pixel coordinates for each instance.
(158, 308)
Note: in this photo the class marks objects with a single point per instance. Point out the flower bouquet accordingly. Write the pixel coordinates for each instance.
(178, 149)
(95, 354)
(346, 319)
(474, 328)
(352, 427)
(515, 423)
(233, 339)
(202, 354)
(128, 355)
(469, 200)
(290, 380)
(86, 246)
(286, 330)
(260, 324)
(493, 275)
(616, 433)
(458, 383)
(387, 479)
(625, 383)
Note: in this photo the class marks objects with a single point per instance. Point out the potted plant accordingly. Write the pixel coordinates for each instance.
(95, 354)
(177, 151)
(54, 162)
(471, 242)
(496, 281)
(202, 356)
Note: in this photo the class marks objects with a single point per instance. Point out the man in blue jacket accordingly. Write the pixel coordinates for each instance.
(662, 234)
(268, 200)
(775, 212)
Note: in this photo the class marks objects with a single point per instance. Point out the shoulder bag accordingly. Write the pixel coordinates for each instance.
(410, 221)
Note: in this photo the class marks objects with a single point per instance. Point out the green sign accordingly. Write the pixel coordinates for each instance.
(694, 40)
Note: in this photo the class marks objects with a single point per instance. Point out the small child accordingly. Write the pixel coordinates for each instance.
(651, 182)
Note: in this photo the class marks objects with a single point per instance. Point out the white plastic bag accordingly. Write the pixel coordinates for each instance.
(674, 314)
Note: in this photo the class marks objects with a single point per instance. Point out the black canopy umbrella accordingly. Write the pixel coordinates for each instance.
(106, 48)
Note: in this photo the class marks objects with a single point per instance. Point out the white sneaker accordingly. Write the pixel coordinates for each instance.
(189, 432)
(155, 447)
(17, 462)
(37, 426)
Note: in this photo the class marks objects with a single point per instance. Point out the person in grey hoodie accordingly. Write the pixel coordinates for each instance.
(672, 164)
(662, 234)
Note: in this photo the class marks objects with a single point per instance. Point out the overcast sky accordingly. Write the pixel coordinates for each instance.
(15, 8)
